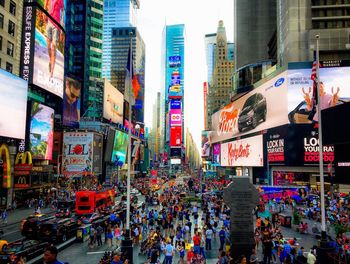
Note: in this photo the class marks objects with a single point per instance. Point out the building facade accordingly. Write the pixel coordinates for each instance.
(221, 89)
(10, 35)
(192, 156)
(116, 13)
(210, 46)
(83, 60)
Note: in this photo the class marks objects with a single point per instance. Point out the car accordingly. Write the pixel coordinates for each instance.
(2, 244)
(253, 112)
(28, 249)
(63, 213)
(58, 230)
(29, 226)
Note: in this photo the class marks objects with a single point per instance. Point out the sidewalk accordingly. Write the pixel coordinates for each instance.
(16, 216)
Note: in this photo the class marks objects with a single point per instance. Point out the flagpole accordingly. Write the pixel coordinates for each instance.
(323, 213)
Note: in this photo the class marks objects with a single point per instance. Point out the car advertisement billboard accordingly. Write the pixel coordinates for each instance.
(48, 69)
(13, 105)
(175, 117)
(113, 102)
(71, 103)
(120, 146)
(205, 149)
(244, 152)
(174, 61)
(334, 90)
(41, 131)
(77, 152)
(260, 109)
(175, 136)
(175, 89)
(175, 104)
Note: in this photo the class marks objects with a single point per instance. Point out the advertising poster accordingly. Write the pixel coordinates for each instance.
(55, 8)
(41, 131)
(174, 61)
(216, 154)
(276, 145)
(311, 150)
(260, 109)
(175, 89)
(77, 152)
(71, 103)
(334, 90)
(278, 193)
(175, 104)
(244, 152)
(113, 101)
(205, 149)
(175, 136)
(175, 117)
(120, 147)
(14, 93)
(48, 69)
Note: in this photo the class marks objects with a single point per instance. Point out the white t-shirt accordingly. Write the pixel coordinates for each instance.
(311, 259)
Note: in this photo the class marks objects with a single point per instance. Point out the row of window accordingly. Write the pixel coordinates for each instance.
(12, 6)
(11, 25)
(330, 24)
(330, 2)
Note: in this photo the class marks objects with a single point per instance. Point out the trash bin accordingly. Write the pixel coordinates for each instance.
(285, 220)
(83, 233)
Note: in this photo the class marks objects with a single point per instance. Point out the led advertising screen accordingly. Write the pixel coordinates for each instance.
(260, 109)
(174, 61)
(175, 88)
(175, 136)
(48, 69)
(41, 131)
(13, 105)
(120, 147)
(334, 90)
(216, 154)
(113, 102)
(55, 8)
(175, 104)
(71, 103)
(175, 117)
(97, 154)
(109, 144)
(77, 152)
(205, 144)
(278, 192)
(244, 152)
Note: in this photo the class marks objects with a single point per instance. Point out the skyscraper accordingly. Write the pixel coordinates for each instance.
(116, 14)
(220, 91)
(210, 45)
(84, 30)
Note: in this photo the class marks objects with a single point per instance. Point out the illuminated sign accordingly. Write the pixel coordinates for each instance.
(175, 117)
(275, 150)
(311, 151)
(6, 164)
(175, 104)
(174, 61)
(175, 136)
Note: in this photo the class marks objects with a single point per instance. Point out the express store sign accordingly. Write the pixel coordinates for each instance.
(311, 151)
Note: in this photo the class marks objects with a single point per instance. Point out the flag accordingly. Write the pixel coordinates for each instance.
(130, 73)
(314, 79)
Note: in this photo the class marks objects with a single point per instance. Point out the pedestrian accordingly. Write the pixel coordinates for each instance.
(311, 258)
(223, 259)
(4, 216)
(181, 249)
(222, 237)
(116, 260)
(208, 237)
(253, 257)
(99, 231)
(92, 236)
(169, 252)
(50, 256)
(190, 255)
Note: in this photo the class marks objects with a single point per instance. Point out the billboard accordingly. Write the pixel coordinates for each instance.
(55, 8)
(108, 149)
(120, 146)
(334, 90)
(113, 102)
(175, 104)
(174, 61)
(175, 89)
(216, 154)
(260, 109)
(77, 152)
(244, 152)
(175, 161)
(13, 105)
(71, 102)
(205, 146)
(41, 131)
(175, 136)
(97, 154)
(175, 117)
(48, 68)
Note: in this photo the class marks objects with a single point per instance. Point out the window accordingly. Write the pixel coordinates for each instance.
(11, 28)
(10, 48)
(13, 8)
(1, 20)
(9, 67)
(2, 3)
(0, 42)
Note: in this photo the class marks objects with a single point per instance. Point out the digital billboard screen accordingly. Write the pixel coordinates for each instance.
(175, 104)
(175, 88)
(205, 144)
(48, 69)
(109, 145)
(175, 136)
(13, 107)
(174, 61)
(113, 102)
(175, 117)
(216, 154)
(71, 103)
(120, 146)
(41, 131)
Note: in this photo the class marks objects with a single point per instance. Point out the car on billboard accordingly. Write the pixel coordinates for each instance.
(253, 112)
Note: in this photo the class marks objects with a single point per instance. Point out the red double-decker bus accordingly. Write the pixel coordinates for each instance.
(86, 202)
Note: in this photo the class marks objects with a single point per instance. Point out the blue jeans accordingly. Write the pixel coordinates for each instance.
(168, 259)
(196, 249)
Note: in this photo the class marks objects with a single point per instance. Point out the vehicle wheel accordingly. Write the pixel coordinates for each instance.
(254, 122)
(64, 238)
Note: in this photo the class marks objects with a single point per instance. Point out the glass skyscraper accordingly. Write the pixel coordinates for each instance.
(116, 14)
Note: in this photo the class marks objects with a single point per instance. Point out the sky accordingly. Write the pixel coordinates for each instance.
(200, 17)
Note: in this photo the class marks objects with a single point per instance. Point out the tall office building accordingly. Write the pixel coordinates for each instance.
(255, 24)
(116, 14)
(220, 91)
(10, 34)
(210, 45)
(299, 22)
(83, 60)
(172, 65)
(119, 55)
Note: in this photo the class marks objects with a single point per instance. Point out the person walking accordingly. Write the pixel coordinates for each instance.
(50, 256)
(169, 252)
(99, 231)
(4, 216)
(222, 236)
(208, 235)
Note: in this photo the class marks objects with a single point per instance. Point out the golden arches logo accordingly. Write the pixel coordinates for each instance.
(4, 151)
(25, 157)
(22, 180)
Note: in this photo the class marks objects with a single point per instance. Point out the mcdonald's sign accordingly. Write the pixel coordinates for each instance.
(21, 182)
(5, 156)
(23, 162)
